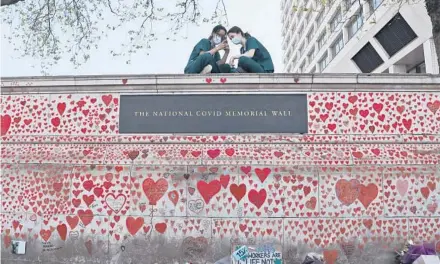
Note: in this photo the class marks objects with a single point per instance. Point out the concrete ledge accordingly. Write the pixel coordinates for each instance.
(221, 83)
(195, 139)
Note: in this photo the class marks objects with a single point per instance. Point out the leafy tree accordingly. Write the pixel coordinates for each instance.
(432, 6)
(53, 29)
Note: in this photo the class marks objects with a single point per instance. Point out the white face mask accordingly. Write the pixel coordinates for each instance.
(236, 40)
(216, 39)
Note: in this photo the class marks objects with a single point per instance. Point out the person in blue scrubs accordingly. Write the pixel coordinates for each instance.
(205, 56)
(254, 57)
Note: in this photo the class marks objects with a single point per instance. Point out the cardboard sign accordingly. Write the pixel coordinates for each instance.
(257, 255)
(241, 253)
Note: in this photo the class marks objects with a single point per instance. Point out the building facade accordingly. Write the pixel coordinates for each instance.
(357, 36)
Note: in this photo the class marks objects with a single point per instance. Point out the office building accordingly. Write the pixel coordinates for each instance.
(357, 36)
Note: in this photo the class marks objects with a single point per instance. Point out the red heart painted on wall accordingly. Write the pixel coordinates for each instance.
(115, 203)
(367, 194)
(5, 124)
(262, 173)
(433, 107)
(72, 221)
(347, 191)
(154, 190)
(134, 224)
(224, 180)
(174, 197)
(238, 191)
(161, 227)
(107, 99)
(62, 231)
(208, 190)
(86, 216)
(213, 153)
(45, 234)
(61, 107)
(257, 197)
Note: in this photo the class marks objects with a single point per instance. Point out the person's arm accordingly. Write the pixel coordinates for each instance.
(211, 51)
(205, 47)
(251, 46)
(225, 56)
(249, 53)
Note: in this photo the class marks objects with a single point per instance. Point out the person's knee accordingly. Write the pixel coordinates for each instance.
(207, 57)
(243, 61)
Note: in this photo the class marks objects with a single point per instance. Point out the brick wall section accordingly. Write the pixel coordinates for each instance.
(366, 175)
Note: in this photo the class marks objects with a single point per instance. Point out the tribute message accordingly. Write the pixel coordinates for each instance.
(257, 255)
(250, 113)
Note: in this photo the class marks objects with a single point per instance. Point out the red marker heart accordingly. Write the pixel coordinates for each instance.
(238, 191)
(257, 198)
(134, 224)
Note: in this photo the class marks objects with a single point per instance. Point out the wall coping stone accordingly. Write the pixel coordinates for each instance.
(225, 83)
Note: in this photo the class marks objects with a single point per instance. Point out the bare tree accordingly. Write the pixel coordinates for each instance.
(53, 29)
(432, 6)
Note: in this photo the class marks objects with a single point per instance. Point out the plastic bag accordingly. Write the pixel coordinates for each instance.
(313, 258)
(415, 251)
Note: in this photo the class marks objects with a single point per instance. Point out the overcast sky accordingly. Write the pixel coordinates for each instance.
(258, 17)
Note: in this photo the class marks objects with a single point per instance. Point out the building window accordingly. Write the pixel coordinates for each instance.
(323, 62)
(367, 59)
(311, 55)
(339, 44)
(395, 35)
(336, 22)
(375, 4)
(355, 25)
(321, 41)
(313, 70)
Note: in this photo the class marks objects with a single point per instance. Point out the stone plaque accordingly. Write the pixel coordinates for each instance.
(219, 113)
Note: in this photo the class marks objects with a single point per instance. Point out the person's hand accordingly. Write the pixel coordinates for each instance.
(226, 45)
(222, 46)
(232, 60)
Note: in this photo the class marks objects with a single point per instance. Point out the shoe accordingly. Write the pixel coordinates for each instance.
(241, 70)
(206, 70)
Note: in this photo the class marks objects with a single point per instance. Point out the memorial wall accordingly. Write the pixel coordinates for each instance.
(168, 169)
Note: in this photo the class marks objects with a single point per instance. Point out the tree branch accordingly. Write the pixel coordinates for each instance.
(50, 30)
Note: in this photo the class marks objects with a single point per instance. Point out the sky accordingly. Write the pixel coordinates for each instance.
(260, 19)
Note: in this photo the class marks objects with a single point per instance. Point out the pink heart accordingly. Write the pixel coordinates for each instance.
(402, 187)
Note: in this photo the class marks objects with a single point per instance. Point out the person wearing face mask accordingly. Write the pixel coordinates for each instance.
(205, 56)
(254, 57)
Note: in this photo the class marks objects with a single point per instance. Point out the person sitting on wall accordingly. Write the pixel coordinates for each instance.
(254, 56)
(205, 56)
